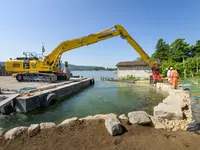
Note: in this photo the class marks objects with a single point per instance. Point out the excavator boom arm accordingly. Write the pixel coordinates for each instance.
(54, 57)
(124, 34)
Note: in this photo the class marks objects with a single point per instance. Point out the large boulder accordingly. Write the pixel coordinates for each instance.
(47, 125)
(15, 132)
(67, 121)
(164, 87)
(139, 117)
(113, 126)
(99, 116)
(123, 117)
(175, 100)
(104, 116)
(87, 118)
(171, 112)
(156, 122)
(33, 129)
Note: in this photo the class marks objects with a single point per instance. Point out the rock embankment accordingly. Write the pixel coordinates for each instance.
(174, 113)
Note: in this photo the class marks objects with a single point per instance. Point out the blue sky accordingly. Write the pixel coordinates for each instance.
(25, 24)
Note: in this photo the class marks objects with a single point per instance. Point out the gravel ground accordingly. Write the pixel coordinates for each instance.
(93, 135)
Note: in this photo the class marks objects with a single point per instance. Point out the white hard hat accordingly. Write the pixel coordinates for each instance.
(171, 68)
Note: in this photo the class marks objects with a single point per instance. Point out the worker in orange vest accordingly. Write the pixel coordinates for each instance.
(174, 75)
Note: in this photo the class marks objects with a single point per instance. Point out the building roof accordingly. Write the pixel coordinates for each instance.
(134, 63)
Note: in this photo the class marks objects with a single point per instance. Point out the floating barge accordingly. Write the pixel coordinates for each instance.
(42, 95)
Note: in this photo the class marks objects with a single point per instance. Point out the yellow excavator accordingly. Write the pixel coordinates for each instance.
(35, 68)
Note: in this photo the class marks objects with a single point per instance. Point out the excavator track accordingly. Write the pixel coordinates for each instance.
(36, 77)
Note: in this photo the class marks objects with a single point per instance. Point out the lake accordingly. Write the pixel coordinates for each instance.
(101, 98)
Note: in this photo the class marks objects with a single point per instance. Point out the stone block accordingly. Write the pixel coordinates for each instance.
(67, 121)
(156, 122)
(47, 125)
(171, 112)
(113, 126)
(104, 116)
(139, 117)
(33, 129)
(15, 132)
(123, 117)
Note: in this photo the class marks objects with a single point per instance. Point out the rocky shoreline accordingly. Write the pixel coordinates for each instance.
(173, 114)
(175, 111)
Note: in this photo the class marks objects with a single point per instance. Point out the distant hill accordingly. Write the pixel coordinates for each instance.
(78, 67)
(75, 67)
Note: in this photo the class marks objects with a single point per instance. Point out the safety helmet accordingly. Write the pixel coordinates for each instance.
(171, 68)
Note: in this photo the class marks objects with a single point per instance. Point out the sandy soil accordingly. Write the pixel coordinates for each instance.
(93, 135)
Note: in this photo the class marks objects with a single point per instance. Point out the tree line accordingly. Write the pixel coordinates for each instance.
(179, 54)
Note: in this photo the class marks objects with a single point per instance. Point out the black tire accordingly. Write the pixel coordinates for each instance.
(50, 99)
(19, 77)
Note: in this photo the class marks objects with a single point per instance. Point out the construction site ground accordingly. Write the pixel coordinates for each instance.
(9, 82)
(92, 134)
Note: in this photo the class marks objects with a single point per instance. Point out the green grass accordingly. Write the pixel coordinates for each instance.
(193, 81)
(128, 78)
(131, 78)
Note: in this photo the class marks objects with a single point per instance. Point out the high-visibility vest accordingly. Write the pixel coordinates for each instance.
(174, 74)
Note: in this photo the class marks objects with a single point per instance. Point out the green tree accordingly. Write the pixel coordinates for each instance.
(164, 65)
(195, 49)
(162, 50)
(173, 56)
(179, 50)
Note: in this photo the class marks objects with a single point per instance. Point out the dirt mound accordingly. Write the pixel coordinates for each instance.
(93, 135)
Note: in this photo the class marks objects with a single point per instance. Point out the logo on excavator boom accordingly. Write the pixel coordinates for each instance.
(103, 36)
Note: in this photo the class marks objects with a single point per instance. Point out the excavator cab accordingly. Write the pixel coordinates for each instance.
(155, 77)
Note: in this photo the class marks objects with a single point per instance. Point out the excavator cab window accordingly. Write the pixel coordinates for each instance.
(26, 64)
(30, 56)
(33, 55)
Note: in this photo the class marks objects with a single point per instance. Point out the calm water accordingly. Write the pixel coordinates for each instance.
(103, 97)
